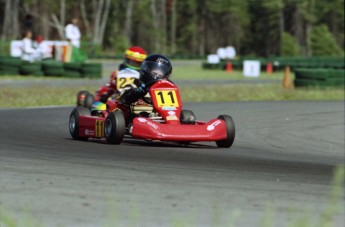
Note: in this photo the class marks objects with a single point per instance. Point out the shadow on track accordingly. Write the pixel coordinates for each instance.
(145, 143)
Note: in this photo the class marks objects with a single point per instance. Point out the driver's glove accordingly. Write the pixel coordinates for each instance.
(141, 89)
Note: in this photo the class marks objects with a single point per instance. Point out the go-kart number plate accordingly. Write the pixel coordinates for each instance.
(166, 98)
(126, 77)
(122, 82)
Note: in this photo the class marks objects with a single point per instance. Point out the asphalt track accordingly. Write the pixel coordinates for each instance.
(279, 169)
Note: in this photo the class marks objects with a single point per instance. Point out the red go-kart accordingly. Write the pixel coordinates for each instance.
(163, 120)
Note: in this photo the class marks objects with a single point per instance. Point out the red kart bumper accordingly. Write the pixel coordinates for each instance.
(145, 128)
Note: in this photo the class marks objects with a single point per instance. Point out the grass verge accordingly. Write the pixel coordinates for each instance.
(195, 72)
(46, 96)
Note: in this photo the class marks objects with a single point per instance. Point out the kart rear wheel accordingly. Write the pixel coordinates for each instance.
(115, 126)
(74, 121)
(230, 131)
(187, 117)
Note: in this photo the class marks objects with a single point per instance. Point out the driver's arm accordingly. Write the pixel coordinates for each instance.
(132, 94)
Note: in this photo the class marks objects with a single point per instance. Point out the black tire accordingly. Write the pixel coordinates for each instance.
(89, 99)
(74, 121)
(85, 99)
(187, 117)
(81, 97)
(230, 131)
(115, 127)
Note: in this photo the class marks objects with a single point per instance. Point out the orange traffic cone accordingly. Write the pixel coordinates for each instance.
(286, 80)
(228, 67)
(269, 68)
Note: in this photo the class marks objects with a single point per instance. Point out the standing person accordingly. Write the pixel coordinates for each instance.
(29, 53)
(73, 33)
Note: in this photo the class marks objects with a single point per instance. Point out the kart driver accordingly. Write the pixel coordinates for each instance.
(133, 57)
(153, 68)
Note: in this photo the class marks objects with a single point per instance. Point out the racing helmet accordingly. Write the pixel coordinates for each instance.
(134, 56)
(155, 67)
(97, 108)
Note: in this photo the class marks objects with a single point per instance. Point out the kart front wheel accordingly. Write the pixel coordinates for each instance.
(85, 98)
(187, 117)
(89, 99)
(74, 121)
(230, 131)
(81, 97)
(114, 129)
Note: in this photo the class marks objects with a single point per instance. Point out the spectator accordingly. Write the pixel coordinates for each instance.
(73, 33)
(29, 53)
(42, 47)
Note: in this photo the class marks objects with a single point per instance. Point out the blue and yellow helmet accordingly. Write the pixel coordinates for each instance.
(98, 106)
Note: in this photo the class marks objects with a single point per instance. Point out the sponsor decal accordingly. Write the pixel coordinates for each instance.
(171, 118)
(212, 126)
(171, 113)
(162, 60)
(153, 125)
(168, 108)
(89, 132)
(142, 120)
(150, 123)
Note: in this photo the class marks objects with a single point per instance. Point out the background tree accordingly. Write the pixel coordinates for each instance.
(289, 45)
(10, 12)
(323, 42)
(184, 27)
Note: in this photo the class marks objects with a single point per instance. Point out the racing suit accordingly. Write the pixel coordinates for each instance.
(107, 90)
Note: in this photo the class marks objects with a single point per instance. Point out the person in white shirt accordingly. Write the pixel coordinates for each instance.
(29, 53)
(43, 48)
(73, 33)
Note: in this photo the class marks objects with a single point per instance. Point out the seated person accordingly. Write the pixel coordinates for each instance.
(133, 57)
(153, 68)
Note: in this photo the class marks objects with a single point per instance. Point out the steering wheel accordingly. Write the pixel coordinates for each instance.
(148, 100)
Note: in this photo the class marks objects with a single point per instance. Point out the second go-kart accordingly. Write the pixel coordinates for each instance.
(158, 117)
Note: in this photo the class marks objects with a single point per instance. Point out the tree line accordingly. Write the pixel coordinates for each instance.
(187, 27)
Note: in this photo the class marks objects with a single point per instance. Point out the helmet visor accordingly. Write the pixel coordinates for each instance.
(132, 63)
(156, 69)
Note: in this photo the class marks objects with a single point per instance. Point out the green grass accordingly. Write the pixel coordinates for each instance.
(195, 72)
(39, 96)
(48, 96)
(192, 70)
(259, 92)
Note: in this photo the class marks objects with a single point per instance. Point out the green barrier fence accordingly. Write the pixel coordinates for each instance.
(279, 63)
(319, 77)
(50, 67)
